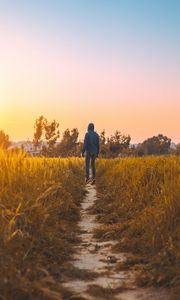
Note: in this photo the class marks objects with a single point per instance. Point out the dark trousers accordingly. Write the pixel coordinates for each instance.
(90, 158)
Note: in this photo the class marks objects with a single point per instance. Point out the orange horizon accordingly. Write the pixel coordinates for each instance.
(83, 67)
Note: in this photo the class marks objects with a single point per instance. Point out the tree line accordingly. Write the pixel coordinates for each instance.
(47, 142)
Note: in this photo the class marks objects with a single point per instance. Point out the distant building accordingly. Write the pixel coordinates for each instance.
(26, 146)
(173, 146)
(29, 147)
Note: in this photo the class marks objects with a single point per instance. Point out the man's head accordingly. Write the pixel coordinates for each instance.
(91, 127)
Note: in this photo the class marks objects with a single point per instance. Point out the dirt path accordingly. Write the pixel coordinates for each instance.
(97, 262)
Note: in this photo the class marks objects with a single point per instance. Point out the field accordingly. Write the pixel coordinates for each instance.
(39, 205)
(139, 204)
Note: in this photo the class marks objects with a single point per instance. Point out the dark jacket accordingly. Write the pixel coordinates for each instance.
(91, 141)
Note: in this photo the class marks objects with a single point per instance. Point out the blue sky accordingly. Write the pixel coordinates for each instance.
(118, 55)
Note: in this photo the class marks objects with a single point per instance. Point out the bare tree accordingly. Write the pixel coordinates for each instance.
(47, 131)
(51, 133)
(39, 127)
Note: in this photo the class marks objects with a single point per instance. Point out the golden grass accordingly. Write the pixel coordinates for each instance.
(139, 204)
(39, 206)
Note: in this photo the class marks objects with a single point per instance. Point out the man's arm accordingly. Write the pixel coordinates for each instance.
(97, 144)
(85, 143)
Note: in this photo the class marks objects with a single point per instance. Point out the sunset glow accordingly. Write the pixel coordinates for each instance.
(114, 63)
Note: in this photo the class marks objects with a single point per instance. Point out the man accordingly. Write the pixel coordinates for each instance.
(91, 147)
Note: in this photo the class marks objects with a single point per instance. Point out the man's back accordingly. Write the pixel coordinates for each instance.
(91, 141)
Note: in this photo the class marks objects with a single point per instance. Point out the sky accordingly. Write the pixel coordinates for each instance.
(112, 62)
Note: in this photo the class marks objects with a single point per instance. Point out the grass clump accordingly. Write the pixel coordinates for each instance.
(39, 207)
(139, 204)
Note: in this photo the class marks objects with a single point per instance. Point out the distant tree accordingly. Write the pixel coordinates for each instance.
(130, 151)
(138, 151)
(46, 131)
(74, 136)
(69, 144)
(39, 127)
(78, 149)
(4, 140)
(178, 149)
(156, 145)
(118, 142)
(104, 147)
(102, 137)
(51, 134)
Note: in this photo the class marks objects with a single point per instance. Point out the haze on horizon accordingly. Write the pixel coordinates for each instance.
(115, 63)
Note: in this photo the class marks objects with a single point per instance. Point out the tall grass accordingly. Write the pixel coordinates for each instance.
(39, 207)
(139, 204)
